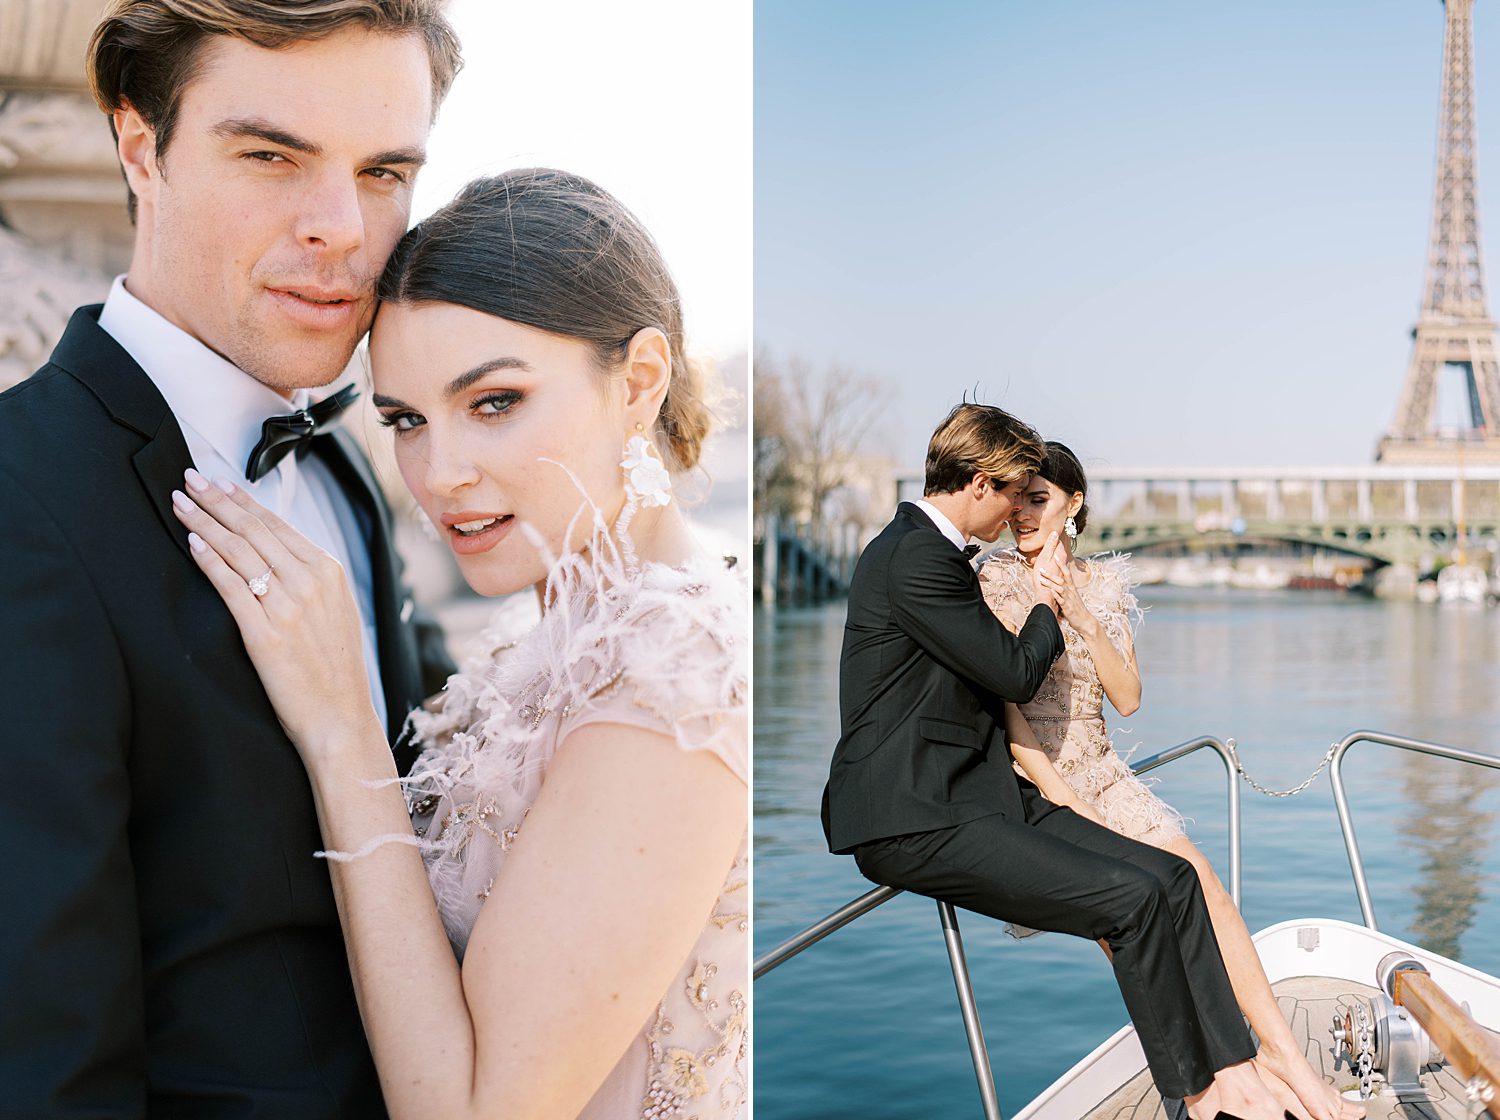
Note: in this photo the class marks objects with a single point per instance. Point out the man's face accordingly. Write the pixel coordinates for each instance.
(1001, 502)
(286, 183)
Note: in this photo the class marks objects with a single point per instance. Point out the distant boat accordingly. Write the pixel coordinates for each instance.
(1462, 583)
(1316, 583)
(1262, 577)
(1189, 573)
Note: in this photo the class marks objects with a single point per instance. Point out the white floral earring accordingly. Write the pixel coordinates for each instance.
(646, 478)
(1071, 528)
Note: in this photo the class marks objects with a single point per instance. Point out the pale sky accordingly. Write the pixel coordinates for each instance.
(651, 99)
(1166, 232)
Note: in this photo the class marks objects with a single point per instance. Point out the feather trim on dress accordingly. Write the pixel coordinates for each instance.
(1066, 714)
(619, 642)
(648, 644)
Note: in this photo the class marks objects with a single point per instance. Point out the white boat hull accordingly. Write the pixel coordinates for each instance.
(1302, 947)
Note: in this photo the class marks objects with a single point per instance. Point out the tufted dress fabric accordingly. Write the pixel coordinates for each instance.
(1067, 712)
(648, 646)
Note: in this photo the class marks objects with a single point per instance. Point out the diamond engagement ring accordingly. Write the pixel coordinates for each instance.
(261, 583)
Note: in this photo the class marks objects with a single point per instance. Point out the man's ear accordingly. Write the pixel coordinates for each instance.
(136, 144)
(648, 374)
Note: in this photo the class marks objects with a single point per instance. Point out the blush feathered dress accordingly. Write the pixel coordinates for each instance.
(1067, 712)
(626, 644)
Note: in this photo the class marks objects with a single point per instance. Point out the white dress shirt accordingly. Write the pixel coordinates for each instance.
(220, 409)
(946, 527)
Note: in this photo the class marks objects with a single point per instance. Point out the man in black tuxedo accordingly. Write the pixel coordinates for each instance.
(923, 792)
(171, 946)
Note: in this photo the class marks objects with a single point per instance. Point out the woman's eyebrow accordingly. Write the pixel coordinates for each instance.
(464, 380)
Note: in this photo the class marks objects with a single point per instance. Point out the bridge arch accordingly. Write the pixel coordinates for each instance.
(1380, 544)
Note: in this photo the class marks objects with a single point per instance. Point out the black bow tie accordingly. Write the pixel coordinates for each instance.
(281, 435)
(971, 550)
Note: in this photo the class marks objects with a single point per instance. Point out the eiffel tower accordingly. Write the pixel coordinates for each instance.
(1454, 328)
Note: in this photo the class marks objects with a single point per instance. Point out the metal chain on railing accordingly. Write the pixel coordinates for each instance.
(1239, 768)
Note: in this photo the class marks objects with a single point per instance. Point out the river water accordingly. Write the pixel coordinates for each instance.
(866, 1024)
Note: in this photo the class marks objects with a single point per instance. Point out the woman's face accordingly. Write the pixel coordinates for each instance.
(478, 404)
(1044, 509)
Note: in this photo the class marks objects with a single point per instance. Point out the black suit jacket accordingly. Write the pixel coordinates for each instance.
(924, 669)
(170, 947)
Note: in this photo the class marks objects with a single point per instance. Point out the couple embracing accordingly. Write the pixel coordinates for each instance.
(974, 767)
(533, 901)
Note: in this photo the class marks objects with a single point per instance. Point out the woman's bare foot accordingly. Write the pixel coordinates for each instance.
(1316, 1099)
(1239, 1091)
(1285, 1098)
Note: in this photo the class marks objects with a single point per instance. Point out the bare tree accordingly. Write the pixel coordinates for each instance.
(775, 474)
(815, 426)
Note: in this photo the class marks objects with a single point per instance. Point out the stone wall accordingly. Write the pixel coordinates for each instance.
(63, 227)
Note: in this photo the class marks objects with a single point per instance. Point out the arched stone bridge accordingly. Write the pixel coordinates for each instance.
(1390, 514)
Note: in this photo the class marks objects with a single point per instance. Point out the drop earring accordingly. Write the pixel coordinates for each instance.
(1071, 528)
(647, 481)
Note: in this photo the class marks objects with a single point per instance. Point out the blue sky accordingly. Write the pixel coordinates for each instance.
(1164, 232)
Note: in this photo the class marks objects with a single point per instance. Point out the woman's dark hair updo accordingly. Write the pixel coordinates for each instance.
(556, 252)
(1062, 468)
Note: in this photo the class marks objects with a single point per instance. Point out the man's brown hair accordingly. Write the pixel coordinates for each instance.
(980, 439)
(145, 52)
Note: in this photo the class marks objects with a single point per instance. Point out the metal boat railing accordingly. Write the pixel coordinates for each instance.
(948, 919)
(1341, 800)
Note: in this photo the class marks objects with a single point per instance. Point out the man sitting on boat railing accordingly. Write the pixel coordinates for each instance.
(923, 793)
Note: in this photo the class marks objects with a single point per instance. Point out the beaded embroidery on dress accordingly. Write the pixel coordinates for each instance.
(1067, 712)
(649, 646)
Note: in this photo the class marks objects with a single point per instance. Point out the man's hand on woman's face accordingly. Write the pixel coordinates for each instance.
(1047, 574)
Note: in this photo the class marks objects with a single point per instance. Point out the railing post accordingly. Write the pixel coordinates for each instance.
(1181, 750)
(1346, 822)
(970, 1012)
(1341, 799)
(1234, 826)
